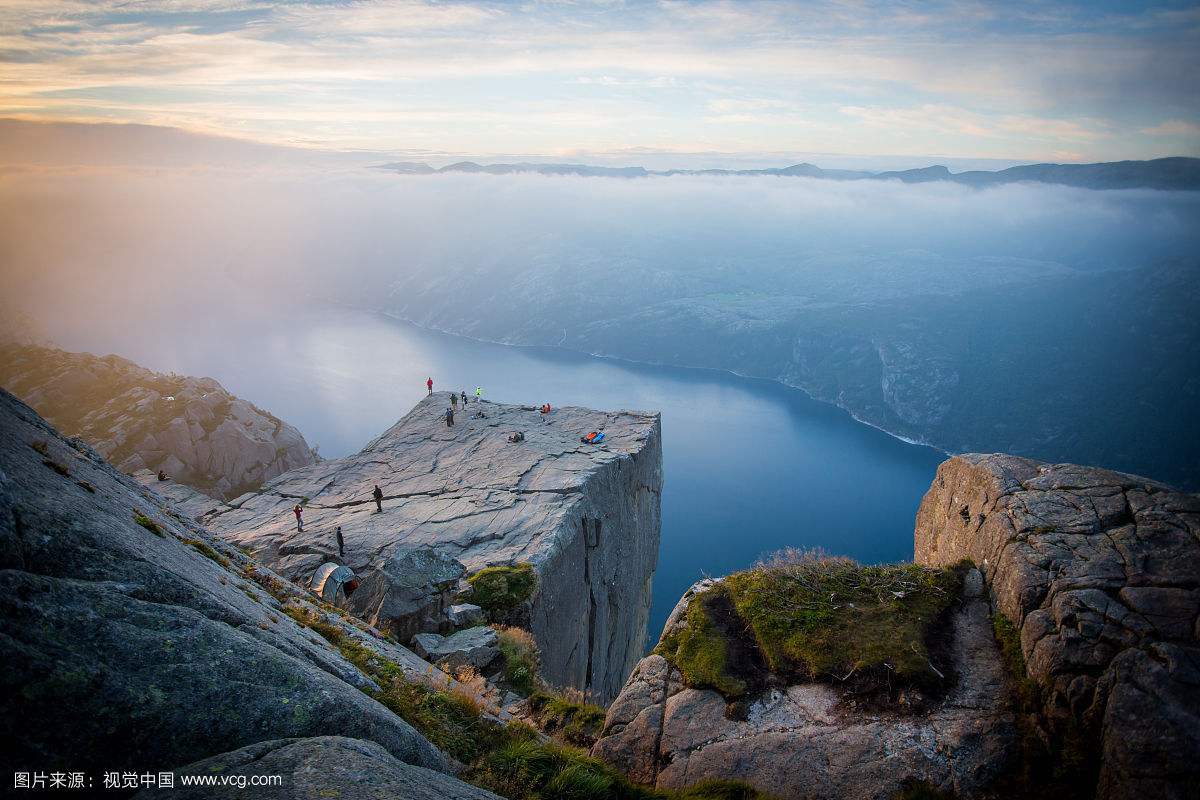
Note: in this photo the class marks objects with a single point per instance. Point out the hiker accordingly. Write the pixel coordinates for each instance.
(378, 495)
(453, 400)
(299, 519)
(464, 398)
(429, 386)
(341, 542)
(478, 394)
(449, 417)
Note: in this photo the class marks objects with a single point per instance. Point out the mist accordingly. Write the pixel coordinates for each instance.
(112, 253)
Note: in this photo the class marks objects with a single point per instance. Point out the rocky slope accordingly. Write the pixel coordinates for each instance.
(586, 517)
(190, 428)
(1100, 574)
(135, 641)
(1097, 694)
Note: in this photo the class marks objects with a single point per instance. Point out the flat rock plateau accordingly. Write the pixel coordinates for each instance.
(586, 517)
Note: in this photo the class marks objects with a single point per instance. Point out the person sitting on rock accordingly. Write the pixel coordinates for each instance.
(378, 495)
(516, 437)
(545, 408)
(298, 511)
(162, 476)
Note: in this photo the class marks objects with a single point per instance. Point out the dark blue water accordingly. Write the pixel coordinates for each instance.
(750, 466)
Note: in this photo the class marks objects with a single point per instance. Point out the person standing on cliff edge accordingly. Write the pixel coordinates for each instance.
(378, 495)
(341, 543)
(298, 511)
(429, 386)
(464, 398)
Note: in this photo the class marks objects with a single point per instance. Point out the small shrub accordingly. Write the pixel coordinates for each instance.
(40, 446)
(500, 589)
(1028, 695)
(568, 716)
(147, 523)
(520, 658)
(87, 486)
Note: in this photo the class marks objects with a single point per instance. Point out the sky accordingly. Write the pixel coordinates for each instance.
(627, 82)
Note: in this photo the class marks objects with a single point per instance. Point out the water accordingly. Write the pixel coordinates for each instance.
(749, 466)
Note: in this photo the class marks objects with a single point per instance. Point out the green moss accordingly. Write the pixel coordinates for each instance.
(500, 589)
(701, 649)
(40, 446)
(203, 549)
(569, 718)
(147, 523)
(818, 619)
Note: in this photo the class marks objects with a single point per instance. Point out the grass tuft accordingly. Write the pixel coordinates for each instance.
(147, 523)
(521, 658)
(567, 716)
(205, 550)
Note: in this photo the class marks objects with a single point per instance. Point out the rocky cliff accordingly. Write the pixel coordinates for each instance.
(1069, 666)
(586, 517)
(190, 428)
(1099, 573)
(135, 641)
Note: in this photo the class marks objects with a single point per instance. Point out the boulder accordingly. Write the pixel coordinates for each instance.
(1100, 573)
(586, 518)
(408, 593)
(134, 640)
(803, 741)
(322, 766)
(466, 615)
(473, 647)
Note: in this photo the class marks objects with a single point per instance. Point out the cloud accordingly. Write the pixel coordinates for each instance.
(337, 72)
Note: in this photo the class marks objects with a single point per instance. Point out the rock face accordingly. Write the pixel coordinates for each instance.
(1100, 573)
(137, 641)
(191, 428)
(323, 766)
(586, 516)
(475, 647)
(802, 741)
(409, 592)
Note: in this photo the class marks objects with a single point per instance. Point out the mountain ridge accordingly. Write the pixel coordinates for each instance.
(1172, 173)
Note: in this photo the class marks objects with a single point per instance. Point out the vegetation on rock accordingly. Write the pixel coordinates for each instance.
(568, 716)
(148, 524)
(520, 658)
(500, 589)
(874, 630)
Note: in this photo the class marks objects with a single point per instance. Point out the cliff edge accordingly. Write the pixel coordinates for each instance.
(585, 517)
(1099, 574)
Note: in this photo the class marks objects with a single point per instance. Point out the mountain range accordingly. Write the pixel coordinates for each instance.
(1177, 173)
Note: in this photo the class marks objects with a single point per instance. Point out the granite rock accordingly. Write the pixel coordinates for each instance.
(466, 615)
(190, 428)
(802, 741)
(138, 641)
(473, 647)
(587, 517)
(1100, 573)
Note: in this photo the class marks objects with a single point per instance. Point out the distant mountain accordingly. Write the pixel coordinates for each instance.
(1177, 173)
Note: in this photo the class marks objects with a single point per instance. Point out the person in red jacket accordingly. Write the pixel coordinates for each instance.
(429, 385)
(299, 519)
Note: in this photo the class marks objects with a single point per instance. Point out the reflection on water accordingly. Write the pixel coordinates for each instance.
(749, 466)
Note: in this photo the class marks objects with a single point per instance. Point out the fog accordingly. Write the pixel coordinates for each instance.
(128, 252)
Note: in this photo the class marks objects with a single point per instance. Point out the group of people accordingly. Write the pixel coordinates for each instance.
(298, 510)
(454, 400)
